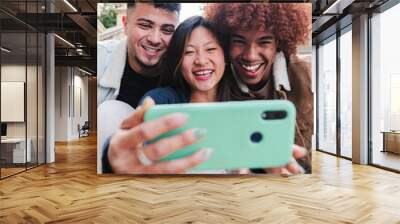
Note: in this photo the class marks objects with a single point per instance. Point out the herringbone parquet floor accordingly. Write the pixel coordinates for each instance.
(69, 191)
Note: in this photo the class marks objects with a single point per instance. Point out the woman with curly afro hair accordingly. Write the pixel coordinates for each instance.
(263, 42)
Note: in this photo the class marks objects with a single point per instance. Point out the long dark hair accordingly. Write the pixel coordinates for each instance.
(172, 60)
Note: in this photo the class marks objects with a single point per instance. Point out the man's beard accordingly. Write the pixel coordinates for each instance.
(148, 70)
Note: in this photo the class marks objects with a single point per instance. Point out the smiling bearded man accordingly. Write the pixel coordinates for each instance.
(127, 68)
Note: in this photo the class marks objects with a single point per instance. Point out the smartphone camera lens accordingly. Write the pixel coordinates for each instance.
(273, 115)
(264, 115)
(256, 137)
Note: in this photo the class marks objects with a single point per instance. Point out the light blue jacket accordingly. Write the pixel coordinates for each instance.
(111, 59)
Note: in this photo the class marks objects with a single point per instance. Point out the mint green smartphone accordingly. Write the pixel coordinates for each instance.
(242, 134)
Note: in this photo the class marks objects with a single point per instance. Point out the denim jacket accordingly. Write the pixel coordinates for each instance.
(111, 59)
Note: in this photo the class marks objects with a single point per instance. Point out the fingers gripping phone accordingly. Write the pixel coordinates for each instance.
(242, 134)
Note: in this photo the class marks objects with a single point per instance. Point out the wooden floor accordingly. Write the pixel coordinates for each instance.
(70, 191)
(5, 172)
(10, 171)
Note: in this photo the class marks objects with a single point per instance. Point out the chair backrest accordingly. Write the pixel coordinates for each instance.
(86, 125)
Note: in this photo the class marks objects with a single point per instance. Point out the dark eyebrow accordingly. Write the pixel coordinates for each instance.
(237, 36)
(145, 20)
(151, 22)
(168, 26)
(266, 38)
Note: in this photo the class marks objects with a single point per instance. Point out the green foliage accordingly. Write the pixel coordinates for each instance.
(108, 17)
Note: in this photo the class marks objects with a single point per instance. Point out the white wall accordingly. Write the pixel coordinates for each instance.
(12, 73)
(80, 101)
(61, 103)
(33, 126)
(71, 94)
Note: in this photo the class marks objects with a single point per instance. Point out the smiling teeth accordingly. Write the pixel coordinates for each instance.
(204, 72)
(251, 68)
(150, 49)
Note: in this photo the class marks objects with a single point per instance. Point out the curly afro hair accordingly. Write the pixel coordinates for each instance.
(289, 22)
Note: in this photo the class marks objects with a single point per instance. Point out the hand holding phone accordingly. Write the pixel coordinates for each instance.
(245, 134)
(126, 153)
